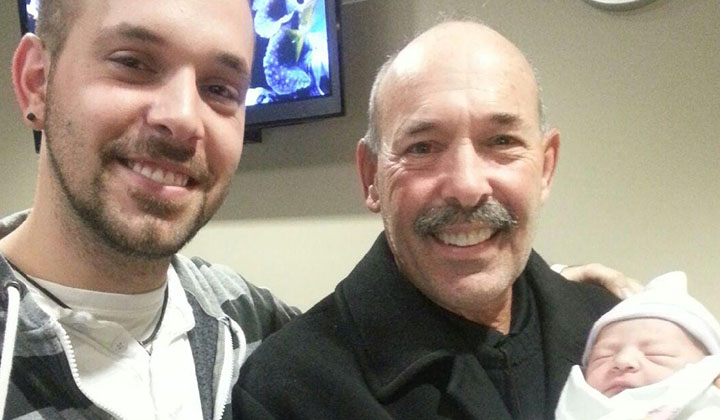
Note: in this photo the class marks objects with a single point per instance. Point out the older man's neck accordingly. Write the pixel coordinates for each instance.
(495, 315)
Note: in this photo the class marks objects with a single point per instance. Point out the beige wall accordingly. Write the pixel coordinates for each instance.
(636, 96)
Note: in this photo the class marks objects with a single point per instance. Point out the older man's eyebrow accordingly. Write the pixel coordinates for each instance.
(503, 119)
(417, 126)
(506, 119)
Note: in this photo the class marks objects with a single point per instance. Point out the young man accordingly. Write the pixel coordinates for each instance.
(142, 108)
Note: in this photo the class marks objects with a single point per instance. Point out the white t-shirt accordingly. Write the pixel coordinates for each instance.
(101, 335)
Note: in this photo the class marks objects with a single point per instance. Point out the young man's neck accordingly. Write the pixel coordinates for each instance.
(43, 247)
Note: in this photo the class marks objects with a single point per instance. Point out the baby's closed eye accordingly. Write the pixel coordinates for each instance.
(599, 359)
(661, 358)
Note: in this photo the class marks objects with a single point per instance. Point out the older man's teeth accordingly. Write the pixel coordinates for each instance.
(465, 238)
(160, 175)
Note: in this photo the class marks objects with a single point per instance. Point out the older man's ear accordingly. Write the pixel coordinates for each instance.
(366, 162)
(550, 160)
(613, 280)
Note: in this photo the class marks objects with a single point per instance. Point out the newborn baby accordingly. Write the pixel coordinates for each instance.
(655, 355)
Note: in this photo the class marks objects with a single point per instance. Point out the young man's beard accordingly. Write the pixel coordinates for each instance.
(90, 202)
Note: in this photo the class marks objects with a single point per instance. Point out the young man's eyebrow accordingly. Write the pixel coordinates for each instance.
(146, 35)
(132, 32)
(234, 63)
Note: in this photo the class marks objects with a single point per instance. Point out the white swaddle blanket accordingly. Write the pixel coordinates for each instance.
(688, 394)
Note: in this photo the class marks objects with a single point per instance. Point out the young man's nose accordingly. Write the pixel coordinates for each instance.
(176, 107)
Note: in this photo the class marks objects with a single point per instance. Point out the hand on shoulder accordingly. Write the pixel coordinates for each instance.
(613, 280)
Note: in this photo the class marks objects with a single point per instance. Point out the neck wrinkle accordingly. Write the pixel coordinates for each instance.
(495, 315)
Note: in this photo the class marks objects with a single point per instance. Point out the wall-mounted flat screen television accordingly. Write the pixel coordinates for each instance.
(296, 73)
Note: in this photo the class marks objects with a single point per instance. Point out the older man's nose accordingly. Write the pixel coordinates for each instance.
(465, 177)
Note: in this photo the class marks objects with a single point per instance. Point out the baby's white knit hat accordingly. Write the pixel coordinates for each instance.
(665, 297)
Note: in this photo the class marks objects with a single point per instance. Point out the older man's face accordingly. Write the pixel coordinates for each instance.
(461, 133)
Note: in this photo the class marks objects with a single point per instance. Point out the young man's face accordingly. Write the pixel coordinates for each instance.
(638, 352)
(145, 115)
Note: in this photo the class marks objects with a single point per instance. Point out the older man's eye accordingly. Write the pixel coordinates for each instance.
(420, 148)
(502, 141)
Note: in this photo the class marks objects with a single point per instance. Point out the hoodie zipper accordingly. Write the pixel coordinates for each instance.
(70, 353)
(226, 373)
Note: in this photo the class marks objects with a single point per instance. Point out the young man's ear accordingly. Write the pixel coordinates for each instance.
(30, 69)
(366, 162)
(551, 143)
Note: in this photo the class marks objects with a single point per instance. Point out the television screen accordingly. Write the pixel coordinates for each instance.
(28, 15)
(296, 72)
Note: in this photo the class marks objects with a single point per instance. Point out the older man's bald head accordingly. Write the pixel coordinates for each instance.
(450, 47)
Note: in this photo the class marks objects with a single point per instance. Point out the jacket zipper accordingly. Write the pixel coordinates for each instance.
(511, 379)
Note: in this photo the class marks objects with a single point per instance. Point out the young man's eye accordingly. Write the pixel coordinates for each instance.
(130, 62)
(224, 92)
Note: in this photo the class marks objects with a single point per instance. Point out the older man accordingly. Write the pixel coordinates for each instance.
(142, 108)
(450, 314)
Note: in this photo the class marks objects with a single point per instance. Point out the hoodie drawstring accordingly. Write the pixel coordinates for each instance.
(14, 291)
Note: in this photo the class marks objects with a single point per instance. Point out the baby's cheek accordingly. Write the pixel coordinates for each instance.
(593, 377)
(658, 373)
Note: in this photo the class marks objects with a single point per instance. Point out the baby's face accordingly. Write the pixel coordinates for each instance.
(637, 352)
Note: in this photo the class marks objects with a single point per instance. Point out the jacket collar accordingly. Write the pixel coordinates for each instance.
(396, 332)
(403, 330)
(566, 315)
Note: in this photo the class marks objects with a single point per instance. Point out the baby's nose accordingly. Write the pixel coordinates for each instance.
(627, 360)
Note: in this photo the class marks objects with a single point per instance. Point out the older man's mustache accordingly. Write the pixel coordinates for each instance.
(491, 214)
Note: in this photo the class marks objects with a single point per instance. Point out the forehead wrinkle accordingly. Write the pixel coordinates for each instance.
(428, 82)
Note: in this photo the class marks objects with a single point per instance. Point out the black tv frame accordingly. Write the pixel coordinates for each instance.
(287, 113)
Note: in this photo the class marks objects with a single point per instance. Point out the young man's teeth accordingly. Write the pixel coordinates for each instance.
(160, 176)
(465, 239)
(146, 172)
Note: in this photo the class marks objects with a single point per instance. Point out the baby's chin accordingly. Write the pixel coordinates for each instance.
(615, 390)
(619, 385)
